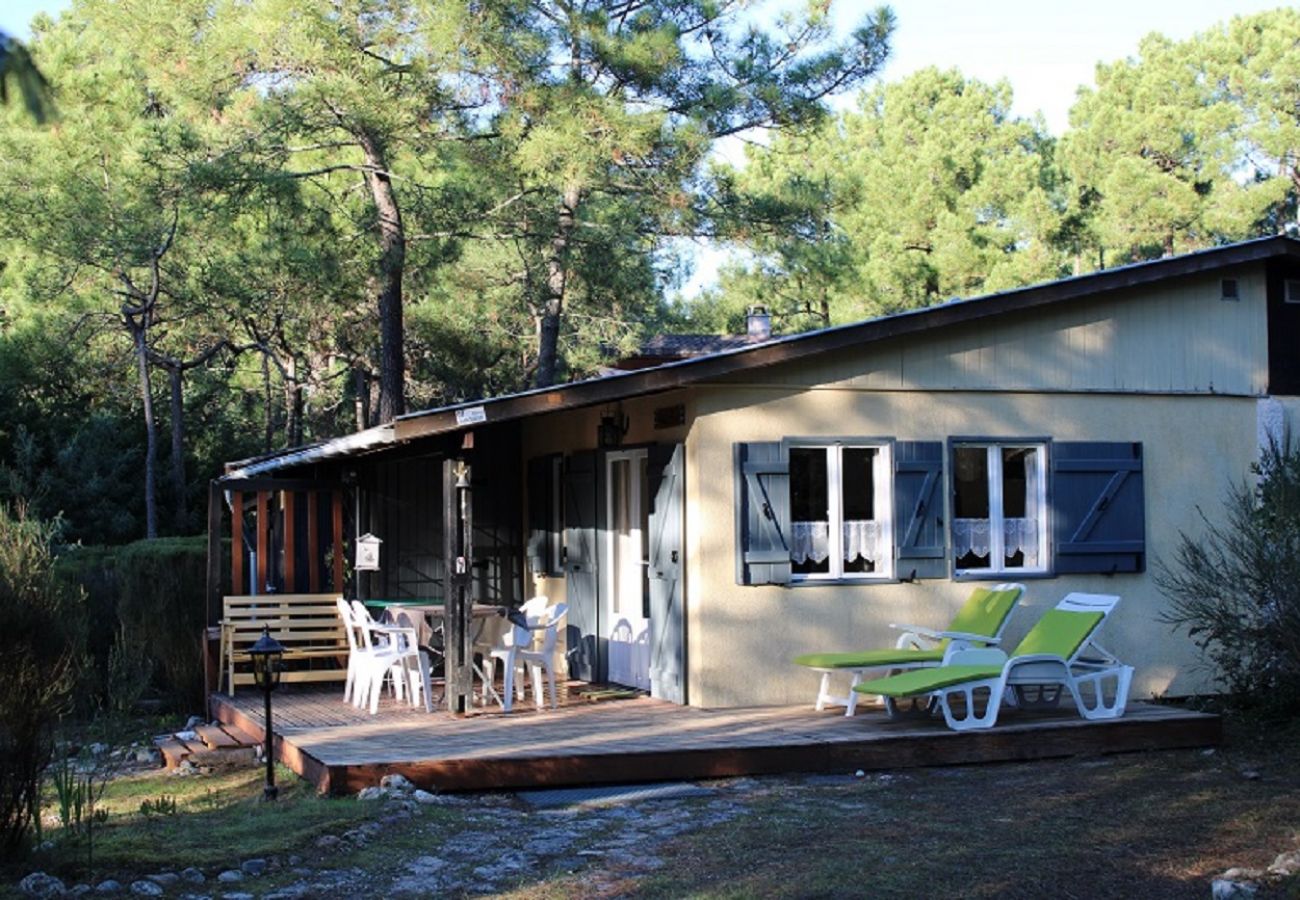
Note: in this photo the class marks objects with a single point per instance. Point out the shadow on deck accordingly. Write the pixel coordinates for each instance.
(342, 749)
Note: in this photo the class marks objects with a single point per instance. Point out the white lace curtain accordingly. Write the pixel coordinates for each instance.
(811, 540)
(1018, 535)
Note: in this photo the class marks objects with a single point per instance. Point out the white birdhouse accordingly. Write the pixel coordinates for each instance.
(368, 553)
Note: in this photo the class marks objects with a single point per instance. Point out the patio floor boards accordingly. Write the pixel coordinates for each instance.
(343, 750)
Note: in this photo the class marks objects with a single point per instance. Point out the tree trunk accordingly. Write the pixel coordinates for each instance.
(392, 264)
(292, 404)
(361, 385)
(176, 377)
(557, 276)
(268, 437)
(150, 430)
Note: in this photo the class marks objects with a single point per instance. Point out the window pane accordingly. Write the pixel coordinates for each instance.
(862, 538)
(1019, 506)
(971, 526)
(809, 511)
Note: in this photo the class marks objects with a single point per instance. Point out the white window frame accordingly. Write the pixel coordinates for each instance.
(882, 472)
(996, 543)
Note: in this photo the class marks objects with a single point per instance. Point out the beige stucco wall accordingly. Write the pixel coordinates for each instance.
(742, 637)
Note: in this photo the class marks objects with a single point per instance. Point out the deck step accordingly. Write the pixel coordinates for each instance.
(243, 737)
(215, 738)
(174, 752)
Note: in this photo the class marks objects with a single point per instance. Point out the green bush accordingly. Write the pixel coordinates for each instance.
(41, 643)
(153, 594)
(1236, 588)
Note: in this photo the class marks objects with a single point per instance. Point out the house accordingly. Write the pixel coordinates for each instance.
(711, 518)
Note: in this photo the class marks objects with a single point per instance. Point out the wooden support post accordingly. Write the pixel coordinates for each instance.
(458, 554)
(237, 583)
(213, 601)
(338, 541)
(290, 544)
(263, 539)
(313, 543)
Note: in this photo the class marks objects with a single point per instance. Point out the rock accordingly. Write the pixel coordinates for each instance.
(80, 890)
(144, 888)
(372, 793)
(397, 783)
(108, 886)
(328, 841)
(1241, 874)
(192, 876)
(98, 749)
(193, 722)
(187, 736)
(236, 895)
(1208, 751)
(859, 774)
(1286, 864)
(1251, 775)
(165, 879)
(231, 876)
(147, 755)
(253, 868)
(1224, 889)
(293, 860)
(424, 797)
(38, 884)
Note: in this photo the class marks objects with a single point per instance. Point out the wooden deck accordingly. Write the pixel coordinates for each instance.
(343, 750)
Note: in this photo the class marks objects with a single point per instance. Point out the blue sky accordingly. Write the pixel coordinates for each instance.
(1045, 48)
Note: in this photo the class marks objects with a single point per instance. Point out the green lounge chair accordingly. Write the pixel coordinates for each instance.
(978, 623)
(1051, 654)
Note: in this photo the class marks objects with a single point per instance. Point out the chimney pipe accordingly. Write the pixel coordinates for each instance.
(758, 323)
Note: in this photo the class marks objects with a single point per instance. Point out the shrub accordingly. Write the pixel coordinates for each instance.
(1236, 589)
(41, 642)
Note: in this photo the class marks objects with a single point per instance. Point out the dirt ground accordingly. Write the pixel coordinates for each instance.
(1151, 825)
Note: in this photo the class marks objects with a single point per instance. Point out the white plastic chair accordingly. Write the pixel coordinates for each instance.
(364, 658)
(494, 642)
(387, 652)
(518, 647)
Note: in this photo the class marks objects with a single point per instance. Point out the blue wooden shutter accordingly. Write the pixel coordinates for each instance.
(762, 487)
(540, 492)
(1098, 505)
(580, 575)
(918, 510)
(666, 472)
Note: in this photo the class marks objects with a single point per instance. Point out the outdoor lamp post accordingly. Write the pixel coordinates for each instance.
(266, 654)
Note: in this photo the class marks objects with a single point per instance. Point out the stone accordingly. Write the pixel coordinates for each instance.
(187, 736)
(424, 797)
(38, 884)
(80, 890)
(231, 876)
(372, 793)
(293, 860)
(192, 876)
(328, 841)
(1251, 775)
(1225, 889)
(236, 895)
(1241, 874)
(397, 783)
(426, 865)
(143, 888)
(165, 879)
(193, 722)
(859, 774)
(147, 755)
(253, 868)
(1208, 751)
(1286, 864)
(108, 886)
(98, 749)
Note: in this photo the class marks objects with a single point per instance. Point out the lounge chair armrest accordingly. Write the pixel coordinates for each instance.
(976, 656)
(970, 638)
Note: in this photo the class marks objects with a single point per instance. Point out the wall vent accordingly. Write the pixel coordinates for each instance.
(1291, 290)
(1230, 291)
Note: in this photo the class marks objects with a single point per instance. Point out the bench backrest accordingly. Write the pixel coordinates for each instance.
(294, 620)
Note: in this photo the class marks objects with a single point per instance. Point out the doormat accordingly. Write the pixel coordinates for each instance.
(600, 694)
(611, 795)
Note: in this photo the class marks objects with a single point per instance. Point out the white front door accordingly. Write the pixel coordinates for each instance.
(626, 626)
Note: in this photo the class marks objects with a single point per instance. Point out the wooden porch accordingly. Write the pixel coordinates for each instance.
(342, 749)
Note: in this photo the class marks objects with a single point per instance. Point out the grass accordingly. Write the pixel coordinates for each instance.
(219, 821)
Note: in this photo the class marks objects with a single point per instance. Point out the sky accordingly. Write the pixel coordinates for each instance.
(1046, 49)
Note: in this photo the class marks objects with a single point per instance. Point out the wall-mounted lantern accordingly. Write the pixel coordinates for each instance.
(611, 430)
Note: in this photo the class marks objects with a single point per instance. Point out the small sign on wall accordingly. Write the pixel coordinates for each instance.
(368, 553)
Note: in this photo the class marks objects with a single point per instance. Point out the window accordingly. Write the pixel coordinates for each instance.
(546, 515)
(999, 508)
(840, 511)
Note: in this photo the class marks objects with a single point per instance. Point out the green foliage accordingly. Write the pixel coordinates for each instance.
(930, 189)
(148, 600)
(162, 805)
(1235, 587)
(40, 646)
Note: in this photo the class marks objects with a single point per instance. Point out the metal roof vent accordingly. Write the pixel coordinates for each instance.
(758, 323)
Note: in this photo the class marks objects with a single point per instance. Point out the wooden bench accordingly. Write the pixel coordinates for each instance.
(308, 625)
